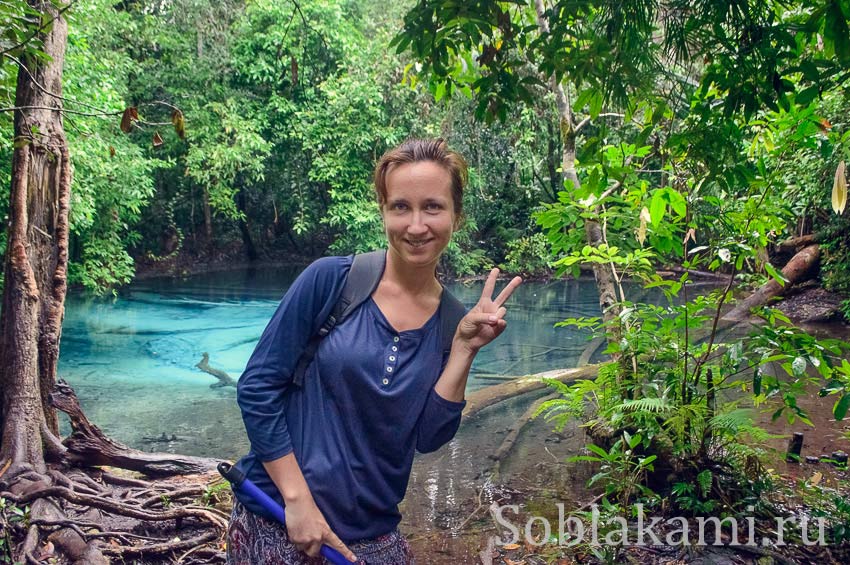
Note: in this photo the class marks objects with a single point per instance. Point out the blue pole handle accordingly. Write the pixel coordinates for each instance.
(244, 485)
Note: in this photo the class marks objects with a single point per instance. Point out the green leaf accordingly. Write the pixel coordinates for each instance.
(806, 96)
(774, 274)
(657, 207)
(836, 32)
(840, 408)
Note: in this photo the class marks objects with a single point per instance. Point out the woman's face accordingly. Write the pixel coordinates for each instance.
(419, 215)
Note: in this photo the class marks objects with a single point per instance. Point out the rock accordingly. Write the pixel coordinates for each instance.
(811, 304)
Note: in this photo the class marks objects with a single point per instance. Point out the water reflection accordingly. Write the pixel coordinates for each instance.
(132, 359)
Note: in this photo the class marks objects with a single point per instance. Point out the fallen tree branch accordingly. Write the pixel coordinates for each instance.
(511, 438)
(797, 270)
(223, 378)
(486, 397)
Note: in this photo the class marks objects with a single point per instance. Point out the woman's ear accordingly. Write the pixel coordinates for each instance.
(458, 223)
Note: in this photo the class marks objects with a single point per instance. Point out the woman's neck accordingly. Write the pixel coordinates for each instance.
(413, 280)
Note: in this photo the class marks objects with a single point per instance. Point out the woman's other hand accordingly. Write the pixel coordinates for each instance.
(486, 320)
(309, 530)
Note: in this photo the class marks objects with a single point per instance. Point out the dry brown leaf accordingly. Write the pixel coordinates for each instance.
(816, 478)
(644, 218)
(157, 139)
(179, 123)
(127, 118)
(839, 190)
(111, 151)
(511, 546)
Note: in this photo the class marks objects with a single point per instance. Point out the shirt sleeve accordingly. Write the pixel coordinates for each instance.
(261, 388)
(439, 422)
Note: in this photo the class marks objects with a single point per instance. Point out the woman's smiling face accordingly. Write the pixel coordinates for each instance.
(419, 215)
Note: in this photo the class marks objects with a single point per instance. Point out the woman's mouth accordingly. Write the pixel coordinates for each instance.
(415, 243)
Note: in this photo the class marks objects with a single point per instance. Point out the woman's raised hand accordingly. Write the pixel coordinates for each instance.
(486, 320)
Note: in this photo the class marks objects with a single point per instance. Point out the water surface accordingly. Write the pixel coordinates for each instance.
(132, 359)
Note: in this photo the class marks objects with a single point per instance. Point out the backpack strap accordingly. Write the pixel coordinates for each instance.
(361, 281)
(451, 311)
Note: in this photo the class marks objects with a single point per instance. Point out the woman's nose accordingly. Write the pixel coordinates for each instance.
(417, 224)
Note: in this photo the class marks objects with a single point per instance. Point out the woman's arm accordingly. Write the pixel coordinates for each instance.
(262, 386)
(481, 325)
(305, 523)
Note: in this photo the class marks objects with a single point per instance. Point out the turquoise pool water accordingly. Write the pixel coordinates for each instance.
(132, 359)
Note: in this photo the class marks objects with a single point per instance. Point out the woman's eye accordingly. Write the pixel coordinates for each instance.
(399, 206)
(433, 206)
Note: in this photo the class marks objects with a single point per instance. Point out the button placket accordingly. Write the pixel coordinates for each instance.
(390, 361)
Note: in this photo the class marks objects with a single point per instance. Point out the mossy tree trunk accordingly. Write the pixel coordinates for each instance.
(37, 253)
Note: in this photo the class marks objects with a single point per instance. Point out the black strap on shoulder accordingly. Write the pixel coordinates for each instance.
(362, 280)
(451, 311)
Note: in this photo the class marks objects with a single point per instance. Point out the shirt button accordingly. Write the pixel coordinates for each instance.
(389, 369)
(386, 381)
(395, 348)
(392, 357)
(395, 339)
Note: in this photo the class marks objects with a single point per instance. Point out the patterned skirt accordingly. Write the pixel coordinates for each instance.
(254, 540)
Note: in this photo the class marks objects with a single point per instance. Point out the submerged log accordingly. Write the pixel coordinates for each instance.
(516, 429)
(481, 399)
(797, 270)
(223, 378)
(89, 446)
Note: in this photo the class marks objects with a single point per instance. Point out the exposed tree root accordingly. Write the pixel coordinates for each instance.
(114, 523)
(89, 446)
(87, 516)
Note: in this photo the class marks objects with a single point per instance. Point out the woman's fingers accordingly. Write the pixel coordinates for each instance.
(486, 318)
(489, 285)
(336, 543)
(507, 291)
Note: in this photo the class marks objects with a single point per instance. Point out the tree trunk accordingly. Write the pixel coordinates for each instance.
(208, 231)
(603, 274)
(37, 255)
(797, 270)
(244, 228)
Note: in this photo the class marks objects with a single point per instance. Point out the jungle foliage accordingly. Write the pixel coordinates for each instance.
(283, 109)
(701, 135)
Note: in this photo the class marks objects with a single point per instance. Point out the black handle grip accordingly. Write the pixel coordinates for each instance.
(231, 473)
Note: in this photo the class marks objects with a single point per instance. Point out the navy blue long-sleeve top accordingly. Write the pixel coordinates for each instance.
(366, 405)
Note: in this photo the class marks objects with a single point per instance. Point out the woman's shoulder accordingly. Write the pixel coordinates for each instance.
(328, 269)
(331, 263)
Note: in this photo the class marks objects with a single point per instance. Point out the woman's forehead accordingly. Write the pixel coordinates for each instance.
(423, 178)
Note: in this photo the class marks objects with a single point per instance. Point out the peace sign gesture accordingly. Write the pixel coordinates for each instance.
(486, 320)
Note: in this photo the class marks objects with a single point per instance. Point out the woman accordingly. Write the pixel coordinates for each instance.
(337, 451)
